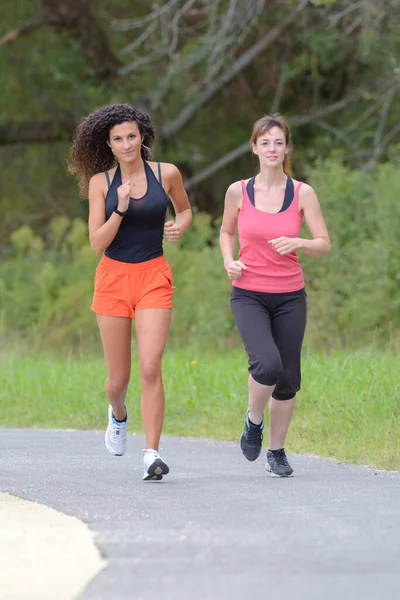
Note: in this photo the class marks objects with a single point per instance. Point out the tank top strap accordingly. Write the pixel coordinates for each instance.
(115, 181)
(151, 176)
(243, 184)
(297, 190)
(152, 180)
(108, 179)
(159, 173)
(295, 202)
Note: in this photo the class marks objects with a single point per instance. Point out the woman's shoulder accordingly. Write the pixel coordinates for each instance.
(235, 188)
(99, 182)
(99, 178)
(234, 195)
(305, 190)
(307, 196)
(166, 172)
(166, 168)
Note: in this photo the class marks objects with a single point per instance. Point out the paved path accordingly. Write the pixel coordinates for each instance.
(218, 527)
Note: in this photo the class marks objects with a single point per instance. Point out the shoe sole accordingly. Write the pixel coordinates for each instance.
(156, 471)
(278, 476)
(251, 458)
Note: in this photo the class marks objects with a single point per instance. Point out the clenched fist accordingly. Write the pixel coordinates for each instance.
(234, 269)
(172, 231)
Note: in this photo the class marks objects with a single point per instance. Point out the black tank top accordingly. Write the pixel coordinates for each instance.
(140, 235)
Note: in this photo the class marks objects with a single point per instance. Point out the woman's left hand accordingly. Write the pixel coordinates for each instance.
(172, 231)
(284, 245)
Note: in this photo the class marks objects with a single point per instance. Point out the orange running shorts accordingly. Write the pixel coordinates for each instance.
(121, 288)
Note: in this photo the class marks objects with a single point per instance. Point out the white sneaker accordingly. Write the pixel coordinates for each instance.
(115, 435)
(153, 465)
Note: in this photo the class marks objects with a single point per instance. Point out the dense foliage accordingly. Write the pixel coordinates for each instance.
(205, 70)
(46, 283)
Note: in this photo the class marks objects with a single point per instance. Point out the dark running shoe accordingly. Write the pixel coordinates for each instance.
(277, 464)
(251, 440)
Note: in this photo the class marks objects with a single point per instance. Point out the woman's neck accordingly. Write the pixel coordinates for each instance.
(131, 170)
(269, 178)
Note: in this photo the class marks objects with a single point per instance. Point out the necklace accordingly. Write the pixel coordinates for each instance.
(132, 183)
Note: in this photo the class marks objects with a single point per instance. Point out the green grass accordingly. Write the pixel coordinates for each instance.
(348, 407)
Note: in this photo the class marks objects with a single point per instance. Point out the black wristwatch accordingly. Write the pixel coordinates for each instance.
(120, 213)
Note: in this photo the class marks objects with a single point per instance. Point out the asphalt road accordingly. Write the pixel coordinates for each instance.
(218, 527)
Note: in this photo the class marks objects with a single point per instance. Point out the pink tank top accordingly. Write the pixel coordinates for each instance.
(268, 271)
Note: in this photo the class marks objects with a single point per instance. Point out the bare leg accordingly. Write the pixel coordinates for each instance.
(281, 412)
(258, 397)
(152, 325)
(115, 335)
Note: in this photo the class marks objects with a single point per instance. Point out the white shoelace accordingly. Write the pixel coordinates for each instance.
(121, 428)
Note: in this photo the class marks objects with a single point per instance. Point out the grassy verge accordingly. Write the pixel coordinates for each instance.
(348, 408)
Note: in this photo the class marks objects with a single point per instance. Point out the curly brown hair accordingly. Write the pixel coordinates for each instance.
(90, 153)
(266, 123)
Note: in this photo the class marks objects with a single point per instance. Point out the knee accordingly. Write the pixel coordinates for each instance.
(119, 382)
(150, 373)
(287, 387)
(266, 371)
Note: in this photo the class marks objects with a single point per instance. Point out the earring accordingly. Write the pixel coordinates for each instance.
(146, 147)
(115, 158)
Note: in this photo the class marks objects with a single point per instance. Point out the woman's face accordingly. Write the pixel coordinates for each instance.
(271, 147)
(125, 141)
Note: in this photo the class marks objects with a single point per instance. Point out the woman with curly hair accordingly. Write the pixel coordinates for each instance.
(128, 196)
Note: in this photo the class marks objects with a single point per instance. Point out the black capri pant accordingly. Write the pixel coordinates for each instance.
(272, 329)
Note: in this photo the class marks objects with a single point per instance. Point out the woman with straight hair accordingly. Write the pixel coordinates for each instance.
(268, 299)
(128, 197)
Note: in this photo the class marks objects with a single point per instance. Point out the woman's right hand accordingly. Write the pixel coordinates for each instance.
(235, 268)
(124, 192)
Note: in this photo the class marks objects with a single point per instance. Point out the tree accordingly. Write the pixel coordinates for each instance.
(331, 65)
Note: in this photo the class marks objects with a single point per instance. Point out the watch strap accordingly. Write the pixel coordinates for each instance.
(119, 212)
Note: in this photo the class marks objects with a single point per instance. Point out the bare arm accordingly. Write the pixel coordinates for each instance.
(101, 231)
(183, 212)
(320, 245)
(233, 199)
